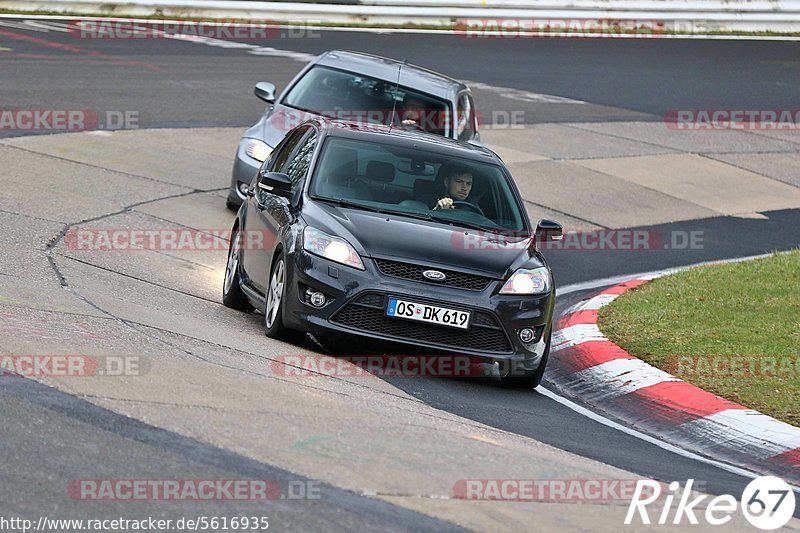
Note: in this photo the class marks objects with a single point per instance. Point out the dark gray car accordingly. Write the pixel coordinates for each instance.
(358, 87)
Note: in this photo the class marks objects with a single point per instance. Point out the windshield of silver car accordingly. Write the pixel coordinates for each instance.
(358, 98)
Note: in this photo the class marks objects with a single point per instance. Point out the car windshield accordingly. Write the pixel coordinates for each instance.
(354, 97)
(418, 183)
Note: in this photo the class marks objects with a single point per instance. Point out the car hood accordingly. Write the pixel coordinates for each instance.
(276, 122)
(381, 235)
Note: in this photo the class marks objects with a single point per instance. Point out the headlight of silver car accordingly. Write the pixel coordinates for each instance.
(526, 281)
(258, 150)
(334, 248)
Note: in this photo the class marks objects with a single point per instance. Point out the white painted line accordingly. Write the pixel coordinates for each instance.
(598, 301)
(22, 26)
(763, 435)
(251, 48)
(619, 377)
(575, 335)
(523, 96)
(48, 26)
(647, 438)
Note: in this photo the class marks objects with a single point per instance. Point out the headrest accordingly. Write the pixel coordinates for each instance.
(380, 171)
(426, 188)
(342, 164)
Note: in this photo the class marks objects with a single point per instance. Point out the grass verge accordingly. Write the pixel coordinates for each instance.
(733, 330)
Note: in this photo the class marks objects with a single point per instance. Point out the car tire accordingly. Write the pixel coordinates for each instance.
(232, 294)
(273, 307)
(232, 204)
(533, 380)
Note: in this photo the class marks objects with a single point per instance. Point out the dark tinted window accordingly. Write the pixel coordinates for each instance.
(298, 165)
(280, 158)
(465, 117)
(412, 181)
(355, 97)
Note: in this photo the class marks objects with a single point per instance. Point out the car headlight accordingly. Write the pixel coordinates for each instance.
(258, 150)
(329, 247)
(525, 281)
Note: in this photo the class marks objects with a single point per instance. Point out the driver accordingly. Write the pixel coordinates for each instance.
(457, 186)
(413, 113)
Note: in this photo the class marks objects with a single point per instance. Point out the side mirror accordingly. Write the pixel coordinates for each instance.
(276, 183)
(547, 230)
(266, 91)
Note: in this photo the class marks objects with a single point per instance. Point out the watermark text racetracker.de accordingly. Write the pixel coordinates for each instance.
(733, 119)
(737, 366)
(537, 28)
(67, 365)
(66, 120)
(401, 365)
(166, 239)
(548, 490)
(632, 240)
(193, 490)
(99, 28)
(416, 119)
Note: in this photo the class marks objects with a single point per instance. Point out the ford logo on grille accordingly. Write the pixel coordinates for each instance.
(434, 275)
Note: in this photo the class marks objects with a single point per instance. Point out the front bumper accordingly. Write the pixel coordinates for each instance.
(356, 305)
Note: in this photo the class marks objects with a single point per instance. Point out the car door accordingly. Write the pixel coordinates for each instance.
(258, 245)
(271, 212)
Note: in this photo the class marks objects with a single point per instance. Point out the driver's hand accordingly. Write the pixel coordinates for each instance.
(444, 203)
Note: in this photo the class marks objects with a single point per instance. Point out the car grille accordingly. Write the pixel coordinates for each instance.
(459, 280)
(367, 313)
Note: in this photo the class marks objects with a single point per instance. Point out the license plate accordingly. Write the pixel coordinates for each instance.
(431, 314)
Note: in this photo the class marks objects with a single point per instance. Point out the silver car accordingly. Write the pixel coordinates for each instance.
(355, 87)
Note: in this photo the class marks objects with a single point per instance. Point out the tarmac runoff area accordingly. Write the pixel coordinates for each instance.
(207, 368)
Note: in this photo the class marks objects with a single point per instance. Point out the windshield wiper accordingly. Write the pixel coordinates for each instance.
(463, 224)
(347, 203)
(303, 109)
(420, 216)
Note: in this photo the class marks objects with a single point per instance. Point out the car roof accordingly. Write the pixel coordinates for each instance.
(385, 69)
(417, 139)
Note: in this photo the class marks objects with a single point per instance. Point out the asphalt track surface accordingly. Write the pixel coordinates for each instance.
(178, 84)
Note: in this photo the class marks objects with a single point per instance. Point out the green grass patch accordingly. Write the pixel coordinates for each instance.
(733, 330)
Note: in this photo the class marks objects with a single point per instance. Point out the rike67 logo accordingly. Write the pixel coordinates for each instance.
(767, 502)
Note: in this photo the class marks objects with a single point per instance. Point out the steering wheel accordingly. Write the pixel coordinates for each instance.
(469, 205)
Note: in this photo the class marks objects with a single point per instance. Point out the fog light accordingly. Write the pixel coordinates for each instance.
(243, 188)
(526, 335)
(315, 298)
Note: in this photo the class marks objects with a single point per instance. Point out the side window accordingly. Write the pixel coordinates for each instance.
(465, 119)
(298, 165)
(280, 160)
